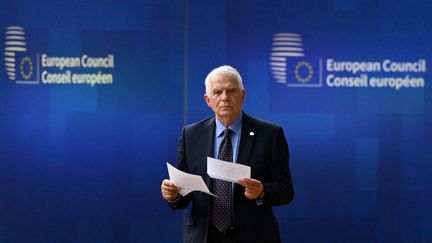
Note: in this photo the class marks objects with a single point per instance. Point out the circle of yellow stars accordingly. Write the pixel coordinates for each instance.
(30, 69)
(297, 69)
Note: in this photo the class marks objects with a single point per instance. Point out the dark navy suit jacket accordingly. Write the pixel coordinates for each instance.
(262, 147)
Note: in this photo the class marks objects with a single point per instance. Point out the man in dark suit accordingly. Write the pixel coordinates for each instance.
(242, 212)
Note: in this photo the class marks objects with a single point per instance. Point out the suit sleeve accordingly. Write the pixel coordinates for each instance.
(181, 202)
(280, 189)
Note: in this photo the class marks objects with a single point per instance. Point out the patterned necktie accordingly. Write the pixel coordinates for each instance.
(222, 205)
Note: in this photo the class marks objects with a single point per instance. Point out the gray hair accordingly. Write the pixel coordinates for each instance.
(225, 70)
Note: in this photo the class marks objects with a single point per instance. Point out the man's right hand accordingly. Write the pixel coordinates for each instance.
(169, 191)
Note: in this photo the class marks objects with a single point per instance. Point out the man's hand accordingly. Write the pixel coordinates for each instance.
(169, 190)
(253, 188)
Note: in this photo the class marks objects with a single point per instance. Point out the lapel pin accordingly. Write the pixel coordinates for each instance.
(251, 133)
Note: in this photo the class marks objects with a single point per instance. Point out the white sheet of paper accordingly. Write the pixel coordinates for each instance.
(187, 182)
(227, 171)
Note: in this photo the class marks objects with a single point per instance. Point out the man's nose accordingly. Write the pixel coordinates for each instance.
(224, 95)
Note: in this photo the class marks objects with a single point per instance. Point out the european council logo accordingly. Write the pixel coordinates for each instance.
(20, 67)
(287, 62)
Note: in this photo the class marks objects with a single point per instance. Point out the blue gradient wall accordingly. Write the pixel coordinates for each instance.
(82, 163)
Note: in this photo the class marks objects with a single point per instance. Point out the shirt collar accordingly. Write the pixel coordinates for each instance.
(235, 126)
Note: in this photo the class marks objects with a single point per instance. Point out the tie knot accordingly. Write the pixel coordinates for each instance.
(227, 132)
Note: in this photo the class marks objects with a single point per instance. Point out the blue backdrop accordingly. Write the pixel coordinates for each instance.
(348, 80)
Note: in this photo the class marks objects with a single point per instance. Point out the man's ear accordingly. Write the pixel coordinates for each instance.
(207, 100)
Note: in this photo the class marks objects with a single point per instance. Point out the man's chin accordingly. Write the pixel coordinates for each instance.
(226, 114)
(226, 110)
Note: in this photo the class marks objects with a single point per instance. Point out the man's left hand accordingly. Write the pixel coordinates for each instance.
(253, 188)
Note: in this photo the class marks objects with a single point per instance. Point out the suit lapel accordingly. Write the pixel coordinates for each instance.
(246, 141)
(208, 138)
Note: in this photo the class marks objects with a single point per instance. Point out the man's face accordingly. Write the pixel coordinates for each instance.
(226, 98)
